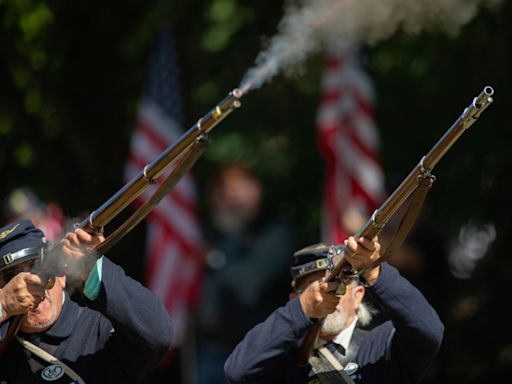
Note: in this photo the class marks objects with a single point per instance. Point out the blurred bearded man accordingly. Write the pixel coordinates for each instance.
(399, 350)
(120, 333)
(247, 257)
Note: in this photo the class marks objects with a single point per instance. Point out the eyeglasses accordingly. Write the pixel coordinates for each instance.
(9, 273)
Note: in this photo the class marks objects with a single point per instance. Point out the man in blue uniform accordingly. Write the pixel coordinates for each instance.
(120, 334)
(399, 350)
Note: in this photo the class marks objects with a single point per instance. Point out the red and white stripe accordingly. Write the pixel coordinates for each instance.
(349, 142)
(174, 241)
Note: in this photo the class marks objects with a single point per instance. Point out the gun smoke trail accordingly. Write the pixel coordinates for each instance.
(310, 24)
(295, 41)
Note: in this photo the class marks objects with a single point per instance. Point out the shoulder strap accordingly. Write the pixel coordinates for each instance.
(327, 368)
(49, 358)
(46, 355)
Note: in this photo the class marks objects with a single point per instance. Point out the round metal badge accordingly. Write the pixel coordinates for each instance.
(351, 368)
(52, 373)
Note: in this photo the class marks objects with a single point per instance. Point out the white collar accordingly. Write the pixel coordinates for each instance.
(343, 338)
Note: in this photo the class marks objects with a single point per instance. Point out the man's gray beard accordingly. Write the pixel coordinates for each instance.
(334, 323)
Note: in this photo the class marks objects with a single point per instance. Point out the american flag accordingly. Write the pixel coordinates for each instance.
(174, 241)
(348, 137)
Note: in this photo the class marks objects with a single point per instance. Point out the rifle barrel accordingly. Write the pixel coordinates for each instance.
(427, 163)
(382, 215)
(140, 182)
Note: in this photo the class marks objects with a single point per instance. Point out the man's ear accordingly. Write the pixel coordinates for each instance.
(292, 295)
(358, 295)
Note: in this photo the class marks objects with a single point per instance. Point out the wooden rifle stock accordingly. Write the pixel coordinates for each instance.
(181, 155)
(342, 269)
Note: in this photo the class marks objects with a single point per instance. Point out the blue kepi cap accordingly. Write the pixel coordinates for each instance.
(19, 241)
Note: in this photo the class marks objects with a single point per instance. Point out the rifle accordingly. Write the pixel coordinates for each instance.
(178, 158)
(416, 184)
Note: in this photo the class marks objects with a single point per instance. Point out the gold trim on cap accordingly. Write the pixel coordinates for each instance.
(8, 232)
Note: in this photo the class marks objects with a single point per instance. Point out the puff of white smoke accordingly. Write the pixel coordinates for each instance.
(473, 243)
(307, 25)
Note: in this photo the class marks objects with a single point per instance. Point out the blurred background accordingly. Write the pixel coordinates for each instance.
(78, 80)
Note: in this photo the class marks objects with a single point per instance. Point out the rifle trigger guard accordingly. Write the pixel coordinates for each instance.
(203, 139)
(374, 220)
(199, 125)
(425, 173)
(150, 180)
(476, 105)
(97, 230)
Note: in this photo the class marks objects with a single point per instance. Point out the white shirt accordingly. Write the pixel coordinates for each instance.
(343, 338)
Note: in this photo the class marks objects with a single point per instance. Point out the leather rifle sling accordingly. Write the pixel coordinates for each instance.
(407, 222)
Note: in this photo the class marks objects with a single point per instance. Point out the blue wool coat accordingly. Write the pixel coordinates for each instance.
(397, 351)
(115, 339)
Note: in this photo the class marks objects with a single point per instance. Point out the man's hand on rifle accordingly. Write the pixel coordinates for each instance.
(78, 247)
(21, 294)
(361, 254)
(317, 300)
